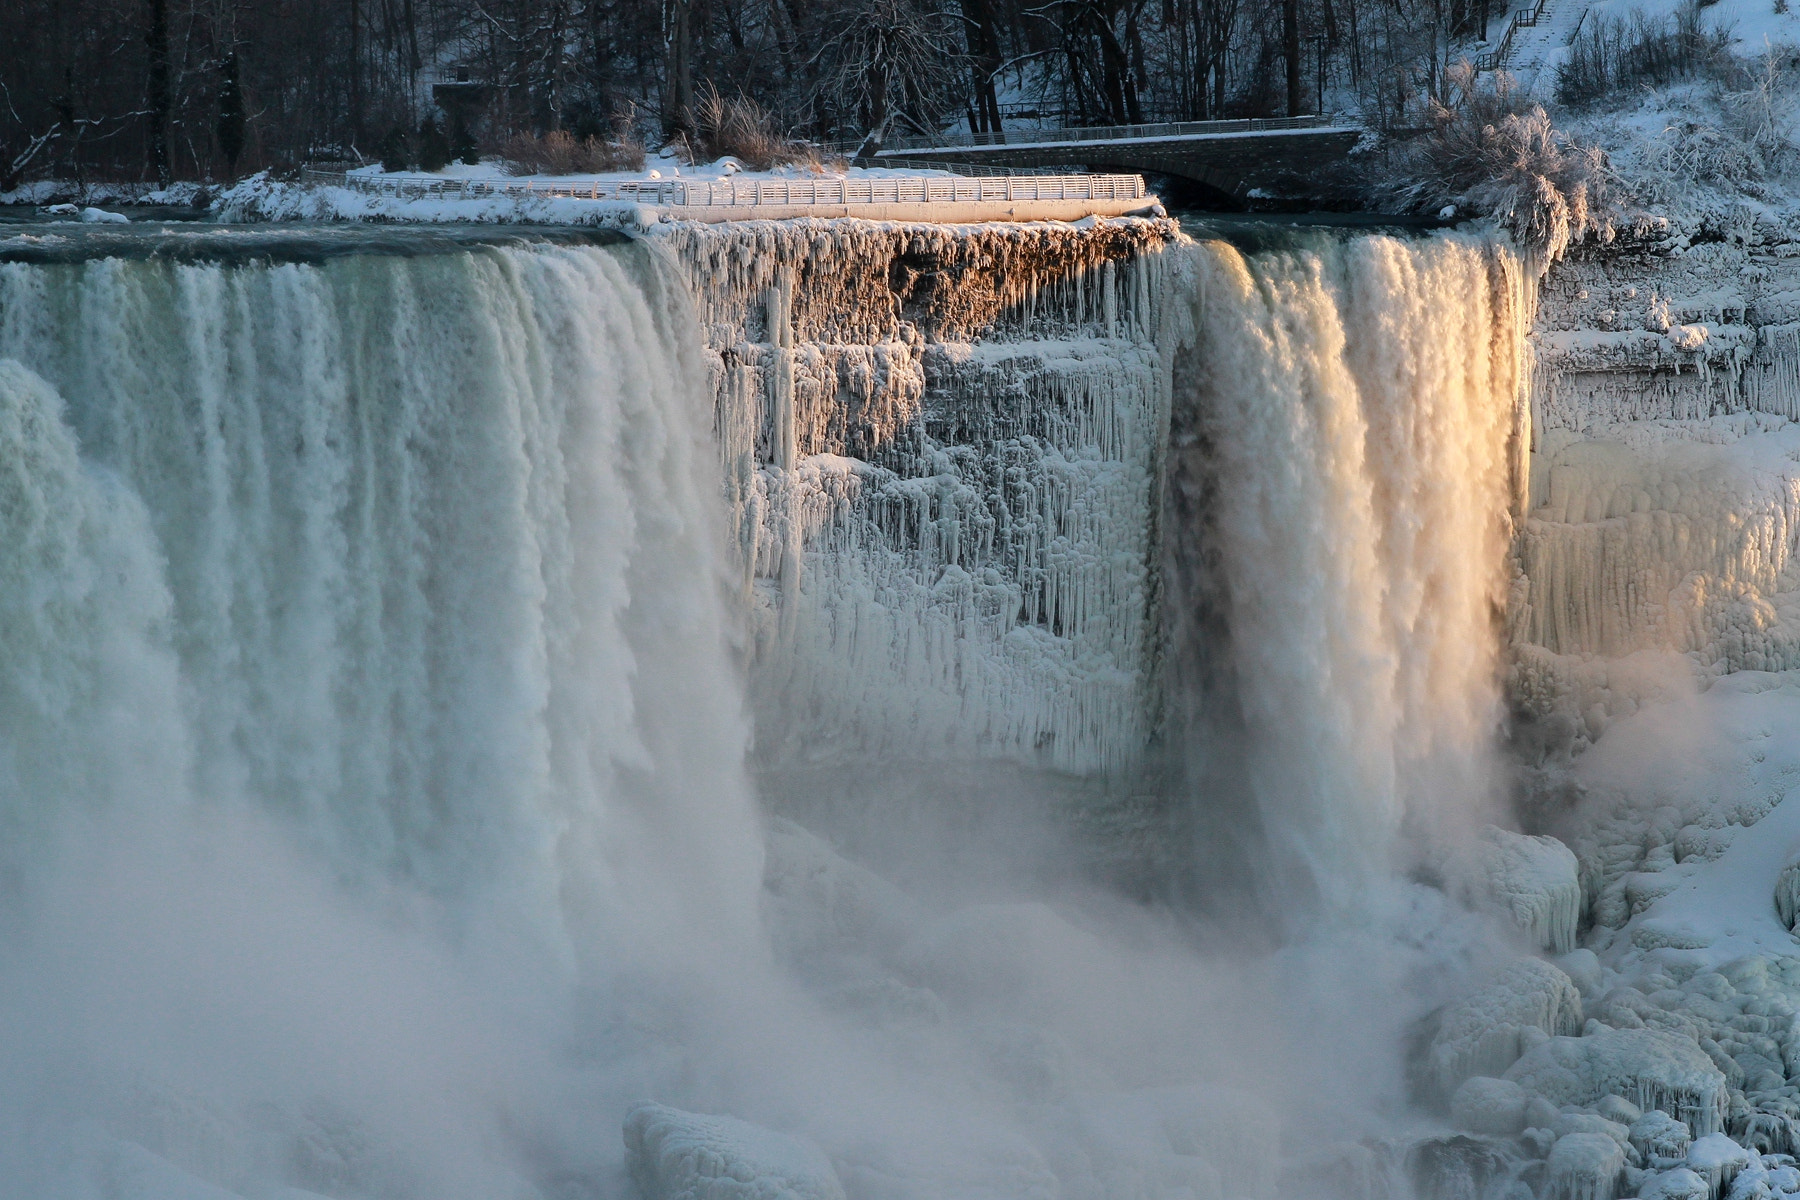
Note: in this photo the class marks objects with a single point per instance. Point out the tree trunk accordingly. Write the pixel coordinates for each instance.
(678, 102)
(156, 38)
(1290, 42)
(356, 96)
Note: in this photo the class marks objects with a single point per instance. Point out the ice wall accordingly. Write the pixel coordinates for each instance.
(940, 449)
(1346, 434)
(1663, 481)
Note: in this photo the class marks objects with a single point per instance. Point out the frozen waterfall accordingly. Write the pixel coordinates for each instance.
(384, 625)
(1347, 433)
(410, 561)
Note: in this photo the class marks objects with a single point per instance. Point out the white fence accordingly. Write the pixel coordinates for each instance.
(898, 189)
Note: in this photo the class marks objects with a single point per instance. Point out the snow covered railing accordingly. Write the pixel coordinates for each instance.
(747, 193)
(1524, 18)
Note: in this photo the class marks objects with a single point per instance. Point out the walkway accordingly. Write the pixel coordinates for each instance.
(897, 197)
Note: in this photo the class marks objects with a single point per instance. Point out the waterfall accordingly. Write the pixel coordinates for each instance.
(410, 562)
(373, 744)
(1346, 434)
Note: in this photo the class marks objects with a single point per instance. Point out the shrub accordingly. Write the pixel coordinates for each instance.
(741, 128)
(395, 150)
(1495, 154)
(561, 153)
(432, 146)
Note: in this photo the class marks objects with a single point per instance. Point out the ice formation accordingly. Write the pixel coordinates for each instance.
(676, 1155)
(1534, 880)
(1650, 1068)
(1584, 1166)
(940, 449)
(1486, 1031)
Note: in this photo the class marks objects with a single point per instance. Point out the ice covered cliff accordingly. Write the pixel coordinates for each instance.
(941, 448)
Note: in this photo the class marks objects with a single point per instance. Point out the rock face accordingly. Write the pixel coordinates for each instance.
(1665, 390)
(676, 1155)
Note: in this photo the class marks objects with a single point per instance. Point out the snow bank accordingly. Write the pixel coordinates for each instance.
(676, 1155)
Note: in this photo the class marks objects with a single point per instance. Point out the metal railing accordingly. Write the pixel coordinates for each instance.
(1524, 18)
(894, 147)
(747, 193)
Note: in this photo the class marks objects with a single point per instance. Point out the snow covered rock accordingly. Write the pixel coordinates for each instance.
(1485, 1032)
(1679, 1184)
(1661, 1140)
(99, 216)
(676, 1155)
(1651, 1068)
(1576, 1121)
(1492, 1106)
(1717, 1159)
(1584, 1166)
(1534, 880)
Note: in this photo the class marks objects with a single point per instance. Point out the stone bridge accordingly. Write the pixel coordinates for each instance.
(1280, 154)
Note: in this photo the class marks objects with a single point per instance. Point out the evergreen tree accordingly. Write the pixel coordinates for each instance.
(230, 129)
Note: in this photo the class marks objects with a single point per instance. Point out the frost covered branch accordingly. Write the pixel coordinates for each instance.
(1492, 154)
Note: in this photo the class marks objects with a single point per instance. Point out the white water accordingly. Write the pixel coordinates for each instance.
(398, 572)
(373, 752)
(1352, 411)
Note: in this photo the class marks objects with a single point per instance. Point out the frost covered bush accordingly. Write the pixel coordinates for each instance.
(738, 127)
(1736, 132)
(1496, 155)
(561, 153)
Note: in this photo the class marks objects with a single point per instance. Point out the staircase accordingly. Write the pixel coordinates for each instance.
(1534, 43)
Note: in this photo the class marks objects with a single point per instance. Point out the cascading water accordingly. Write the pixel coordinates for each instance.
(1347, 430)
(413, 560)
(372, 753)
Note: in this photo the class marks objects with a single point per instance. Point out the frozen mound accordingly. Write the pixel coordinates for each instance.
(1717, 1159)
(1485, 1032)
(1584, 1166)
(1661, 1140)
(676, 1155)
(1679, 1184)
(1495, 1107)
(1648, 1067)
(1534, 880)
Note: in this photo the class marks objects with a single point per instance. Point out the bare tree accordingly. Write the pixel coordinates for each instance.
(886, 60)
